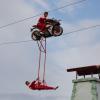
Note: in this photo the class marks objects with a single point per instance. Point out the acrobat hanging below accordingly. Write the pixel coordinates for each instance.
(39, 84)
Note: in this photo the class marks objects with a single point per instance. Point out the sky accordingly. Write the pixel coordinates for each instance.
(18, 62)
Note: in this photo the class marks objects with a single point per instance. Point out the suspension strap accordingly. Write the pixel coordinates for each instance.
(44, 72)
(39, 61)
(42, 49)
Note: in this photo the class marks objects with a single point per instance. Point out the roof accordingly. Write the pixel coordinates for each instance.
(87, 70)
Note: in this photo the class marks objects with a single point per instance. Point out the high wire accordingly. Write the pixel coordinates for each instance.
(74, 31)
(15, 42)
(82, 29)
(15, 22)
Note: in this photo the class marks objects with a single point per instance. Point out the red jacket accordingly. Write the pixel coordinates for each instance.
(41, 23)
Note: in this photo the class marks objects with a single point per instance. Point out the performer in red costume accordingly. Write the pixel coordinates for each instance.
(41, 22)
(36, 85)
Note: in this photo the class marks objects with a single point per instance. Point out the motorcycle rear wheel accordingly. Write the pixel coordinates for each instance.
(35, 35)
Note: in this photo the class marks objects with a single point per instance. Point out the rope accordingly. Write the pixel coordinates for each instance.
(44, 73)
(42, 49)
(39, 61)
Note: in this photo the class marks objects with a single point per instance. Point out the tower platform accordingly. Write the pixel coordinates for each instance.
(86, 88)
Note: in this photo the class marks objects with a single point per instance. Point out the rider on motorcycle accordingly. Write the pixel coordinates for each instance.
(46, 28)
(41, 25)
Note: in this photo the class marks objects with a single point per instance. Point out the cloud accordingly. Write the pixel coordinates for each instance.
(78, 56)
(42, 3)
(78, 48)
(86, 37)
(14, 10)
(70, 9)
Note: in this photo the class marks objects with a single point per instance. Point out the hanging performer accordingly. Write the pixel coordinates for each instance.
(36, 85)
(39, 84)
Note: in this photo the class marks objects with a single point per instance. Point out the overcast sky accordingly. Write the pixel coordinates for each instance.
(18, 62)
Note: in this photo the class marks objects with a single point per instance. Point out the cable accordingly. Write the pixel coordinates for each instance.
(15, 42)
(70, 4)
(15, 22)
(82, 29)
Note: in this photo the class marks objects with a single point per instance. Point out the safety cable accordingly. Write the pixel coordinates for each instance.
(82, 29)
(25, 19)
(74, 31)
(15, 42)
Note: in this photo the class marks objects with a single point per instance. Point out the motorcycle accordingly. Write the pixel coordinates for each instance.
(53, 28)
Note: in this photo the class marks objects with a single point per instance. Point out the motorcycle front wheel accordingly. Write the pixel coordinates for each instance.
(57, 30)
